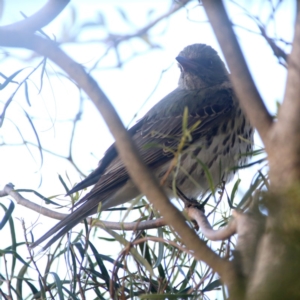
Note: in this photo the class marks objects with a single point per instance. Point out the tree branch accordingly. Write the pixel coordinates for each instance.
(176, 6)
(41, 18)
(278, 52)
(206, 229)
(286, 133)
(246, 91)
(126, 226)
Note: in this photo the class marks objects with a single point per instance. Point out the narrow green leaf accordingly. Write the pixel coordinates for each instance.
(26, 93)
(133, 251)
(47, 200)
(9, 79)
(15, 254)
(80, 249)
(234, 190)
(212, 286)
(72, 295)
(58, 285)
(207, 174)
(34, 290)
(7, 215)
(13, 241)
(42, 289)
(160, 249)
(63, 183)
(20, 280)
(36, 136)
(185, 119)
(165, 296)
(44, 63)
(251, 189)
(188, 276)
(100, 264)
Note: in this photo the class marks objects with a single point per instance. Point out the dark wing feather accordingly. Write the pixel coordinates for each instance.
(110, 154)
(165, 130)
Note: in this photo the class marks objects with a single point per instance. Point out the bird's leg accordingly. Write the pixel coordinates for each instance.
(190, 202)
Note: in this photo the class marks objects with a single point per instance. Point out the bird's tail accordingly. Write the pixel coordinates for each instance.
(68, 223)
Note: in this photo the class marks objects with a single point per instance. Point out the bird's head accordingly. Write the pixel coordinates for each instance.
(200, 67)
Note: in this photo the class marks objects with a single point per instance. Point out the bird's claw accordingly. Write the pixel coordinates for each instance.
(188, 203)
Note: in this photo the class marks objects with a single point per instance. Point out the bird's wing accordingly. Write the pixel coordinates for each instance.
(109, 156)
(161, 130)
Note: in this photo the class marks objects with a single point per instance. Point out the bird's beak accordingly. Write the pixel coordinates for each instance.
(187, 64)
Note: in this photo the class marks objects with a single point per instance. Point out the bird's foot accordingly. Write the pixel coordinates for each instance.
(193, 203)
(190, 202)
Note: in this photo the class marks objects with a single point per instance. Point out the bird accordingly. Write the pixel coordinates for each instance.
(219, 137)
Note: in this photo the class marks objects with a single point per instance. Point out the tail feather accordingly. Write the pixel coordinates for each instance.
(68, 223)
(88, 205)
(62, 232)
(90, 180)
(94, 177)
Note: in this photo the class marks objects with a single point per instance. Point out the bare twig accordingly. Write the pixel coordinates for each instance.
(8, 278)
(114, 40)
(42, 278)
(9, 101)
(176, 6)
(278, 52)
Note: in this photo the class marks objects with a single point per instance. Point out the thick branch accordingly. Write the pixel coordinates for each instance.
(285, 160)
(243, 84)
(206, 229)
(41, 18)
(248, 226)
(128, 226)
(143, 179)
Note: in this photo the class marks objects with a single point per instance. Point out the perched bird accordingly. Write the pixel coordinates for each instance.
(220, 135)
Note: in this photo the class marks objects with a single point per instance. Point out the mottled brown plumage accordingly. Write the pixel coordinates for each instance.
(218, 141)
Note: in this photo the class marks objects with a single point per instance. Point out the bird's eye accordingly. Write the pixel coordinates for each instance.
(207, 63)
